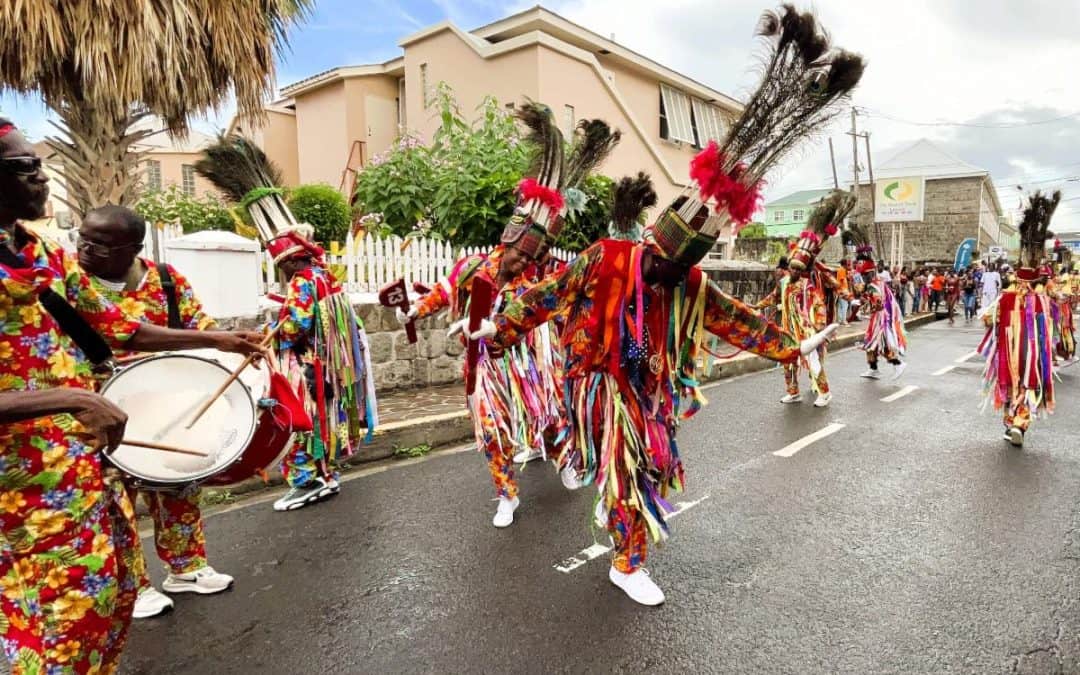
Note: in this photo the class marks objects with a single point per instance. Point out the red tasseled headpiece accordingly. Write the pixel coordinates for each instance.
(864, 266)
(6, 129)
(740, 201)
(832, 229)
(812, 236)
(529, 189)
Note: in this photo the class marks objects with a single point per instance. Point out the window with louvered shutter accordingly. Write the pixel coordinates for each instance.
(677, 112)
(709, 122)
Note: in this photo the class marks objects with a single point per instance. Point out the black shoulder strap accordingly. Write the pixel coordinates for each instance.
(69, 320)
(169, 286)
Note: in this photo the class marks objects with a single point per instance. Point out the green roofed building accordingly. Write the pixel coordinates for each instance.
(787, 216)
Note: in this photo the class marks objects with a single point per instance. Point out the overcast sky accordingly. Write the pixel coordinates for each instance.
(992, 81)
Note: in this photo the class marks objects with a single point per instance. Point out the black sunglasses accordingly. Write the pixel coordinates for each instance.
(21, 166)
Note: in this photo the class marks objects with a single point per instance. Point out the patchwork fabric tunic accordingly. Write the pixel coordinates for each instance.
(324, 352)
(178, 526)
(1064, 325)
(885, 335)
(67, 560)
(1019, 352)
(630, 354)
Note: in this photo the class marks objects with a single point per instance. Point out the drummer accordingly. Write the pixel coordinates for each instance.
(110, 239)
(65, 566)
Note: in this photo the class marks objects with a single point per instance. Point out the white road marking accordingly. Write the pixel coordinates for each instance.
(967, 357)
(596, 550)
(798, 445)
(944, 370)
(900, 394)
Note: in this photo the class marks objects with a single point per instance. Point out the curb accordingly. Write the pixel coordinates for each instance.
(448, 429)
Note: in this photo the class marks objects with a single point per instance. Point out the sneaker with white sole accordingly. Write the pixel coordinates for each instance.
(1015, 435)
(333, 486)
(299, 497)
(204, 581)
(823, 400)
(569, 478)
(638, 585)
(504, 513)
(791, 398)
(527, 455)
(151, 602)
(899, 369)
(871, 374)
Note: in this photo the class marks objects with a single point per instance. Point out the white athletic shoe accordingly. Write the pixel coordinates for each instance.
(791, 398)
(898, 370)
(527, 455)
(823, 400)
(151, 602)
(1015, 435)
(504, 514)
(638, 585)
(871, 374)
(205, 581)
(569, 478)
(299, 497)
(333, 486)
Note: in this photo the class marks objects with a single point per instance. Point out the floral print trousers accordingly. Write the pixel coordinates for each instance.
(67, 607)
(178, 530)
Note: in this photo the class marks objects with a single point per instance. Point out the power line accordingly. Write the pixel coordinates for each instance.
(1002, 125)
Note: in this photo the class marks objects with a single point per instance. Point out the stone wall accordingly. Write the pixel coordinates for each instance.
(433, 360)
(747, 281)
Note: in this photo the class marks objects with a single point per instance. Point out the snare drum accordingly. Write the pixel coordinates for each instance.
(161, 393)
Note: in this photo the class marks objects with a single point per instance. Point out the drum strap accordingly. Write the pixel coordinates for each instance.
(70, 321)
(169, 286)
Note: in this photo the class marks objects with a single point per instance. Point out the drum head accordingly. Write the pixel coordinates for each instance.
(160, 395)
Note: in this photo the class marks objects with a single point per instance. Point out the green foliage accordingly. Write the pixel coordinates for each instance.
(194, 214)
(461, 189)
(754, 230)
(583, 228)
(414, 451)
(324, 208)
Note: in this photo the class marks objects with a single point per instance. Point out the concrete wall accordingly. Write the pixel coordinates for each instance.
(277, 138)
(321, 133)
(172, 172)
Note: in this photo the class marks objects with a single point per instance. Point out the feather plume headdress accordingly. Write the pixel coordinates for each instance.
(804, 81)
(824, 222)
(551, 186)
(1035, 231)
(631, 196)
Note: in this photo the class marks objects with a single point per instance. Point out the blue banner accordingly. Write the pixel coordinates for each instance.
(964, 254)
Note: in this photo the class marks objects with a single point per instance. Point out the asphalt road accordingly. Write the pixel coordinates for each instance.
(910, 540)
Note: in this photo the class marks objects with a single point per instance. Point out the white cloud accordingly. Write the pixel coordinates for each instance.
(962, 60)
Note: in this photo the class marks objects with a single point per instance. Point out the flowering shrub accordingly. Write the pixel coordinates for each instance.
(195, 214)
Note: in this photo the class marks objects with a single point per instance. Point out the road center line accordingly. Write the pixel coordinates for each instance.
(944, 370)
(900, 394)
(798, 445)
(967, 357)
(596, 550)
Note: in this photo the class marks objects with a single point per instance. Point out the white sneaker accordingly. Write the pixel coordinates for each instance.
(527, 456)
(151, 602)
(299, 497)
(791, 398)
(504, 514)
(638, 585)
(569, 478)
(823, 400)
(871, 374)
(333, 486)
(898, 370)
(205, 581)
(1015, 435)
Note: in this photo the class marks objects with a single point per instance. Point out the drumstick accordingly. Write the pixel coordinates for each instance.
(162, 447)
(232, 378)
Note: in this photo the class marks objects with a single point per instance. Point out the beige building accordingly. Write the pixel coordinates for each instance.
(336, 120)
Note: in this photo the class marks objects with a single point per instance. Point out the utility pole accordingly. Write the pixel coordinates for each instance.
(873, 197)
(855, 136)
(832, 158)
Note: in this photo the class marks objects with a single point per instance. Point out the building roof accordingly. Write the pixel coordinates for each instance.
(159, 140)
(926, 158)
(800, 198)
(533, 26)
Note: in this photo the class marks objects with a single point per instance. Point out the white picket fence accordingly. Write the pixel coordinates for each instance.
(367, 263)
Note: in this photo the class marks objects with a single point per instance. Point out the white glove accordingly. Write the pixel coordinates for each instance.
(404, 318)
(457, 327)
(856, 303)
(814, 362)
(811, 344)
(486, 330)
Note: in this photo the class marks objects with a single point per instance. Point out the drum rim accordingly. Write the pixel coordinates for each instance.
(209, 473)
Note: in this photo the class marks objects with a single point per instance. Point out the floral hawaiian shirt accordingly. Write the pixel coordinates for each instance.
(50, 477)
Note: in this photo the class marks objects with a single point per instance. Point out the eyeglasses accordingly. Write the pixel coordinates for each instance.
(21, 166)
(100, 250)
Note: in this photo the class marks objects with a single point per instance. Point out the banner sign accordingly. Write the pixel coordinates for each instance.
(899, 200)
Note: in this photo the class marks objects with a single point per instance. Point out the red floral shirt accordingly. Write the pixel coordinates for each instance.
(50, 477)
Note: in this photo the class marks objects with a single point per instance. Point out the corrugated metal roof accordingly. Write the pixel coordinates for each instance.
(801, 197)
